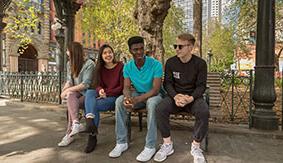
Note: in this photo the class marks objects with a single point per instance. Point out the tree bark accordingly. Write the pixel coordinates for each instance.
(197, 15)
(150, 15)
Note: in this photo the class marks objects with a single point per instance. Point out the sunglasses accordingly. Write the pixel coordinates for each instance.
(180, 46)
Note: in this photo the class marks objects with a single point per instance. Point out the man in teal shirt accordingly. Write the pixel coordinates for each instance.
(144, 74)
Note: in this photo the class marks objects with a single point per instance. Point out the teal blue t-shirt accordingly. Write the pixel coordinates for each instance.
(142, 79)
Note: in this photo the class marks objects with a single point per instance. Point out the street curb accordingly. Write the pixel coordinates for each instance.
(229, 129)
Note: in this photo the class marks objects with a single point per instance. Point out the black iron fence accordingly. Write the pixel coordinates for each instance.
(235, 104)
(236, 96)
(31, 86)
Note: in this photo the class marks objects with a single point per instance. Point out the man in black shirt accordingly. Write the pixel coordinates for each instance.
(185, 83)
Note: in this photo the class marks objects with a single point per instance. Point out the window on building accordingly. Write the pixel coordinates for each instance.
(32, 29)
(84, 39)
(89, 40)
(39, 28)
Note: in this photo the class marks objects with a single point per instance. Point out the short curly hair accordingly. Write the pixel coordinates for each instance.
(135, 40)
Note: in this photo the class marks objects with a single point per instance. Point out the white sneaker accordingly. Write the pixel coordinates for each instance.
(75, 129)
(67, 139)
(196, 152)
(164, 151)
(146, 154)
(118, 150)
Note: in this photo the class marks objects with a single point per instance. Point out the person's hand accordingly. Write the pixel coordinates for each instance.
(64, 94)
(188, 99)
(102, 93)
(136, 100)
(179, 100)
(128, 103)
(183, 100)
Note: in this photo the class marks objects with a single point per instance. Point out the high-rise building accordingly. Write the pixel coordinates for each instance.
(211, 10)
(214, 9)
(187, 6)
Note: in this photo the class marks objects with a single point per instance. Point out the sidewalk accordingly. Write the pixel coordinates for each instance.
(30, 133)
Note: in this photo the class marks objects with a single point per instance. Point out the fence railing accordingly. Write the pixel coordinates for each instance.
(235, 104)
(31, 86)
(236, 95)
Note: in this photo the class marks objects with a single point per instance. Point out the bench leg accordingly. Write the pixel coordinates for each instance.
(129, 127)
(140, 121)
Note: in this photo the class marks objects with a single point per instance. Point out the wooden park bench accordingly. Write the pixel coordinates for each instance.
(143, 111)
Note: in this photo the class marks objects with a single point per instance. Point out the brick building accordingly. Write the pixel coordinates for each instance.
(35, 57)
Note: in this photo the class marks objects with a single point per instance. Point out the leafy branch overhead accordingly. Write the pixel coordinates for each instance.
(111, 21)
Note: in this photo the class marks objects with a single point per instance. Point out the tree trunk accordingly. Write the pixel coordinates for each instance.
(150, 15)
(197, 15)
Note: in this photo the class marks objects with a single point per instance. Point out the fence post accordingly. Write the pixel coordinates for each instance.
(233, 81)
(22, 87)
(60, 87)
(251, 101)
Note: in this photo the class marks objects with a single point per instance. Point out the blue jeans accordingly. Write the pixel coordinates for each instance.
(121, 117)
(94, 106)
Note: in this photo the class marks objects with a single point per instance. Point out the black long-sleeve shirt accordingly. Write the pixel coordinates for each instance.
(186, 78)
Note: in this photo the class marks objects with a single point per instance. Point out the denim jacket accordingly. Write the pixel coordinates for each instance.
(85, 75)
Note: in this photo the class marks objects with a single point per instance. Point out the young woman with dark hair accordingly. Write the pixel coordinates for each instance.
(79, 79)
(108, 85)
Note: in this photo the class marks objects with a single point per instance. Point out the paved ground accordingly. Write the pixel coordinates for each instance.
(29, 134)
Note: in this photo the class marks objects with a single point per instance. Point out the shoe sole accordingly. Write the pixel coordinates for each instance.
(65, 145)
(165, 157)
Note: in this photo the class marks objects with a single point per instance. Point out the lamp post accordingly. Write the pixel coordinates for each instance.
(209, 56)
(60, 37)
(264, 95)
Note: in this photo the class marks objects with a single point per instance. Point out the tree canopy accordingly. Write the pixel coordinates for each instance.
(243, 16)
(173, 25)
(222, 45)
(111, 21)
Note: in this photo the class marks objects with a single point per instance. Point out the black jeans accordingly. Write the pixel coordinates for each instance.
(198, 108)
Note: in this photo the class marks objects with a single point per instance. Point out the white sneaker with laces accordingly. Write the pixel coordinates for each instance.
(146, 154)
(164, 151)
(67, 139)
(118, 150)
(196, 152)
(75, 129)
